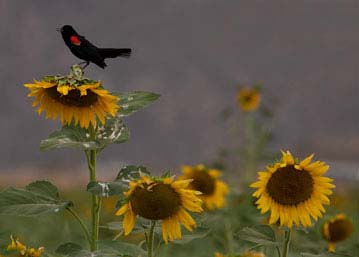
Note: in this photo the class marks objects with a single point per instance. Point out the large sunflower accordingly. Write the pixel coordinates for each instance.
(248, 99)
(161, 199)
(80, 103)
(293, 191)
(338, 229)
(214, 190)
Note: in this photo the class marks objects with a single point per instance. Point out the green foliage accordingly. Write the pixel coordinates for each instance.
(262, 235)
(106, 189)
(131, 172)
(69, 249)
(40, 197)
(108, 248)
(44, 188)
(120, 185)
(114, 131)
(122, 248)
(199, 232)
(135, 101)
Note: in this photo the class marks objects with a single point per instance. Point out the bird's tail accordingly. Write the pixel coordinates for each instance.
(115, 52)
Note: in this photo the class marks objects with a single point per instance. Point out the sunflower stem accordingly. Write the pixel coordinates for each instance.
(278, 251)
(229, 236)
(96, 200)
(286, 243)
(82, 224)
(150, 239)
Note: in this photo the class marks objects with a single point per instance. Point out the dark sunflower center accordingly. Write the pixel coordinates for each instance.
(157, 203)
(73, 98)
(340, 230)
(289, 186)
(248, 98)
(203, 182)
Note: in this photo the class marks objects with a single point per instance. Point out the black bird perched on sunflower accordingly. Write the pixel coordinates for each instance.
(85, 50)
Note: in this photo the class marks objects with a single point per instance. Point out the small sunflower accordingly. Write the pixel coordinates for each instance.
(294, 191)
(161, 199)
(248, 99)
(80, 102)
(336, 230)
(217, 254)
(207, 181)
(23, 250)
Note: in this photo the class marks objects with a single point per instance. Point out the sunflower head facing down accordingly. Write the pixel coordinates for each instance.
(248, 99)
(161, 199)
(73, 99)
(338, 229)
(214, 190)
(294, 191)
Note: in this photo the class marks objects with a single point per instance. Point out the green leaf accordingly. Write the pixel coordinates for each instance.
(23, 202)
(263, 235)
(45, 188)
(106, 189)
(69, 136)
(114, 131)
(122, 248)
(135, 101)
(114, 225)
(72, 136)
(131, 172)
(197, 233)
(69, 249)
(75, 250)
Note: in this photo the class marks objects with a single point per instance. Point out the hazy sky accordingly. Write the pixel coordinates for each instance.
(194, 53)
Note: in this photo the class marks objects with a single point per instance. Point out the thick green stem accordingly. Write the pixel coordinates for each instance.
(229, 236)
(96, 200)
(82, 224)
(286, 243)
(278, 251)
(150, 239)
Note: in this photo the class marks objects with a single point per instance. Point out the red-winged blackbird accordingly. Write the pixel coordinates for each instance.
(83, 49)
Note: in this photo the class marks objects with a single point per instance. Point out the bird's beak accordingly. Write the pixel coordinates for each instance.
(58, 29)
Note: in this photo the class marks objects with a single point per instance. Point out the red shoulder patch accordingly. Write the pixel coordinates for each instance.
(75, 40)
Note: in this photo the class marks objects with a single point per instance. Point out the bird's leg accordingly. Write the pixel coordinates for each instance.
(86, 64)
(82, 63)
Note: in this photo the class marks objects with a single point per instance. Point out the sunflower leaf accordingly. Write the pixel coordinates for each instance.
(124, 248)
(69, 136)
(135, 101)
(131, 172)
(72, 136)
(197, 233)
(263, 235)
(45, 188)
(69, 249)
(38, 198)
(113, 132)
(106, 189)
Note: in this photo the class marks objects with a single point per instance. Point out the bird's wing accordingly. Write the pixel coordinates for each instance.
(87, 51)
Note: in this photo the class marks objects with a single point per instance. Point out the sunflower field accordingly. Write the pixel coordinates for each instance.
(283, 205)
(205, 88)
